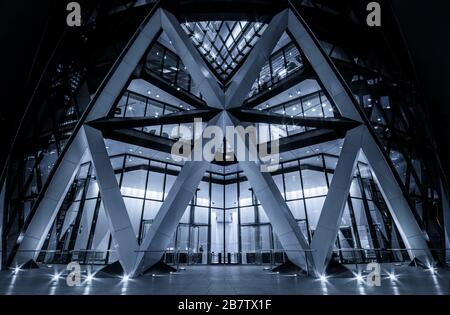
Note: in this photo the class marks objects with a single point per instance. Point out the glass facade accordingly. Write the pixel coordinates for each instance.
(391, 104)
(133, 105)
(284, 62)
(167, 66)
(224, 222)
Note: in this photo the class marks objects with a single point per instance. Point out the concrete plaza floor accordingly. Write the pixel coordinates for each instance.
(228, 280)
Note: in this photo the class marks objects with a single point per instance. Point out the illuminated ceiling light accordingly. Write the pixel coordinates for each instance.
(178, 89)
(431, 269)
(16, 270)
(149, 92)
(267, 105)
(157, 95)
(299, 92)
(291, 96)
(197, 36)
(323, 278)
(309, 103)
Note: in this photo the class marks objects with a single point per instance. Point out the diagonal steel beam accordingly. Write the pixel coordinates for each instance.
(412, 235)
(243, 80)
(333, 207)
(119, 222)
(283, 222)
(33, 237)
(280, 216)
(136, 122)
(256, 116)
(303, 140)
(340, 93)
(63, 173)
(169, 215)
(195, 64)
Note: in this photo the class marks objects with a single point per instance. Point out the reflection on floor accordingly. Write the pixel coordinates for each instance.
(240, 280)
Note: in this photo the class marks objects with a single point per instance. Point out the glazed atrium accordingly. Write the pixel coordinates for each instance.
(91, 178)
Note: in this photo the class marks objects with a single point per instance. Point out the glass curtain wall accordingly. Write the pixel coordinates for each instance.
(224, 223)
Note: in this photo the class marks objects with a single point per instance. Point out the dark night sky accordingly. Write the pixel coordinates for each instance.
(426, 27)
(425, 24)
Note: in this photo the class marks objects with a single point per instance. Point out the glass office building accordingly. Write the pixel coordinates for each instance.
(92, 179)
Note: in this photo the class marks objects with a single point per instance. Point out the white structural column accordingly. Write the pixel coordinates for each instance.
(259, 55)
(319, 63)
(166, 221)
(334, 205)
(446, 210)
(65, 172)
(347, 105)
(169, 215)
(283, 222)
(280, 216)
(412, 235)
(193, 61)
(2, 208)
(123, 69)
(125, 241)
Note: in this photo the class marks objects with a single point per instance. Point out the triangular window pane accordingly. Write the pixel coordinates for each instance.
(233, 40)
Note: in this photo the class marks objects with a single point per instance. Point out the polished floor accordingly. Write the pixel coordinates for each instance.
(228, 280)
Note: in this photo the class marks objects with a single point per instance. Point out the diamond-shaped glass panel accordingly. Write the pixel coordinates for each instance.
(224, 44)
